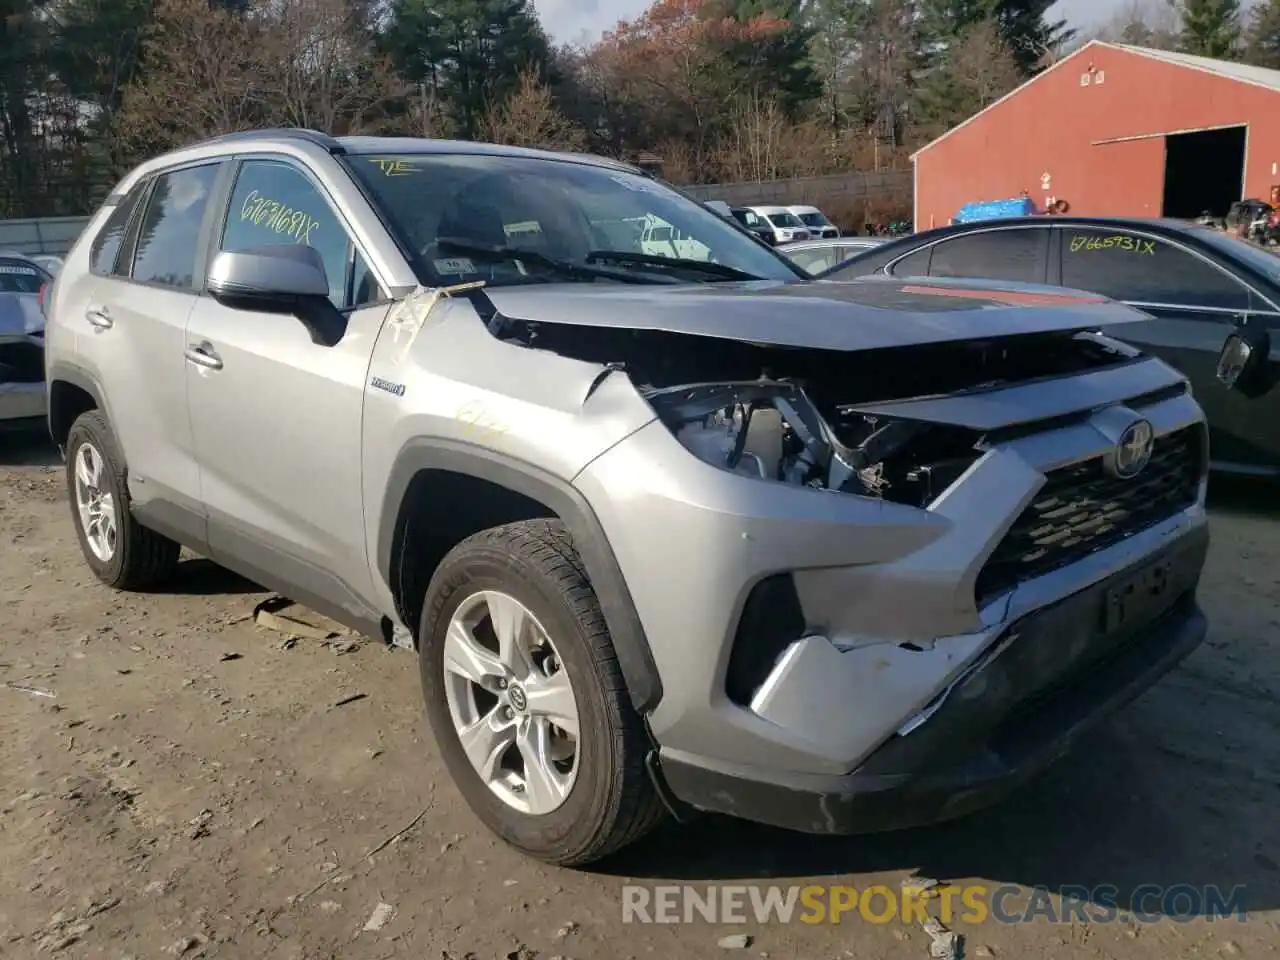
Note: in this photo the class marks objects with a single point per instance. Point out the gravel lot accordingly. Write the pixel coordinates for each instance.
(195, 788)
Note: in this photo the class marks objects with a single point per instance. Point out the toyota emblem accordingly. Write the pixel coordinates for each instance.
(1133, 450)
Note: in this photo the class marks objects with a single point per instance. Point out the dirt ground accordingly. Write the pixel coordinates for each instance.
(196, 786)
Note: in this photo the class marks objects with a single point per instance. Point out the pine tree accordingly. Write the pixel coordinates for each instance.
(467, 54)
(1211, 28)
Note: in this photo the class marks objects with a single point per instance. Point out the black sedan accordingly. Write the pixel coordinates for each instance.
(1197, 283)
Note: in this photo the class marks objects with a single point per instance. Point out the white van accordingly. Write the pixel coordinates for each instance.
(786, 225)
(817, 222)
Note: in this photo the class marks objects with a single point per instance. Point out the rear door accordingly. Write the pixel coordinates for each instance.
(130, 316)
(1195, 304)
(1001, 253)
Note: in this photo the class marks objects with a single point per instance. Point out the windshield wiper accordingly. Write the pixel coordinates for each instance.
(675, 263)
(552, 264)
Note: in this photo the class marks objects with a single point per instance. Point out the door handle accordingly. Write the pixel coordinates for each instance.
(97, 317)
(203, 355)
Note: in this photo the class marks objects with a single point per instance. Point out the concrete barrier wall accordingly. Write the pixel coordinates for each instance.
(45, 235)
(838, 190)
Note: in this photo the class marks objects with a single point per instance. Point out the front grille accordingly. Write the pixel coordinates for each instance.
(21, 363)
(1082, 509)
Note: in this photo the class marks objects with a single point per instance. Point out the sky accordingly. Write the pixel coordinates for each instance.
(579, 21)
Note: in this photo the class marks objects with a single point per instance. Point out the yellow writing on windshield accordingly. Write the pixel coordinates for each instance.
(394, 168)
(1117, 242)
(262, 211)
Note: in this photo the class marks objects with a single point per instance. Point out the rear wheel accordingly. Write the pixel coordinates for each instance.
(120, 551)
(526, 699)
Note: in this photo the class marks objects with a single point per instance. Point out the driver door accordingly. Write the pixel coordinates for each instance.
(277, 418)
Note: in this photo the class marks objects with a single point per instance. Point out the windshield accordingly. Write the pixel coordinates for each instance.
(18, 276)
(815, 220)
(466, 217)
(784, 220)
(1264, 261)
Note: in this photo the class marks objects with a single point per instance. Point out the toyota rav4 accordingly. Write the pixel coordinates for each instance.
(668, 533)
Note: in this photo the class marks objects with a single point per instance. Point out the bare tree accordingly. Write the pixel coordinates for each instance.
(211, 70)
(326, 74)
(1143, 23)
(762, 143)
(982, 66)
(200, 79)
(529, 118)
(756, 145)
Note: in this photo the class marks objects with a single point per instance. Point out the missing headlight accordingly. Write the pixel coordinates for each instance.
(762, 429)
(773, 430)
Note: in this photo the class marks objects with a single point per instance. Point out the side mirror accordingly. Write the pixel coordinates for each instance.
(1243, 363)
(720, 207)
(286, 279)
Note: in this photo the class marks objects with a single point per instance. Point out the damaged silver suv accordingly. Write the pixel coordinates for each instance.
(672, 528)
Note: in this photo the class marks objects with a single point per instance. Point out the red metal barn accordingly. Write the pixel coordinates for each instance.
(1114, 131)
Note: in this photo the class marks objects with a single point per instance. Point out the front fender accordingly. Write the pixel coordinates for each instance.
(629, 641)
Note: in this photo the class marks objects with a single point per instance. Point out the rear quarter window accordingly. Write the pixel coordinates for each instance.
(1143, 269)
(105, 250)
(914, 264)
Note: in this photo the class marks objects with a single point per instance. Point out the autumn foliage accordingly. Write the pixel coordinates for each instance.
(720, 90)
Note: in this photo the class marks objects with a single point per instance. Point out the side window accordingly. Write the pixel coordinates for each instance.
(275, 203)
(815, 260)
(169, 236)
(914, 264)
(364, 285)
(1129, 266)
(106, 245)
(993, 255)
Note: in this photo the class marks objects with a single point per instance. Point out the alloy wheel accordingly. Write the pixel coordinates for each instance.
(511, 702)
(95, 505)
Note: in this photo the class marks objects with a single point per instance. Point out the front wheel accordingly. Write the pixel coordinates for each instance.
(526, 699)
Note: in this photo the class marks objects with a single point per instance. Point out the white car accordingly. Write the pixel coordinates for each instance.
(816, 256)
(22, 389)
(51, 263)
(818, 223)
(786, 226)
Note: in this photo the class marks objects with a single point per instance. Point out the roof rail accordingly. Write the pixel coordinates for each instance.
(292, 133)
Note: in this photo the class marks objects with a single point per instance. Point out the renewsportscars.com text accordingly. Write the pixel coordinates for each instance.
(969, 904)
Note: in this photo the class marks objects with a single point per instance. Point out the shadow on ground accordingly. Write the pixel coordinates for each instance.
(1245, 495)
(27, 446)
(198, 577)
(1113, 813)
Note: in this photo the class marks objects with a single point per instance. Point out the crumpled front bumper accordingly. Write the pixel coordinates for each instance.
(1058, 675)
(887, 594)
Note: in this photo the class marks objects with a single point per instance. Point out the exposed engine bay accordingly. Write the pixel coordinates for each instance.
(791, 414)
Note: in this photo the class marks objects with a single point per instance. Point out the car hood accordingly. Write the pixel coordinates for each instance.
(865, 314)
(20, 315)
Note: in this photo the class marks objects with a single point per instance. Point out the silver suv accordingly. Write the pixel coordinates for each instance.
(668, 533)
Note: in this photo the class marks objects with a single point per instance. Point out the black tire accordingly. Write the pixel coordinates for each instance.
(613, 802)
(142, 557)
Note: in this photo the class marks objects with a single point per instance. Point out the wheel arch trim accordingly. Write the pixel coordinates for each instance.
(639, 671)
(77, 376)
